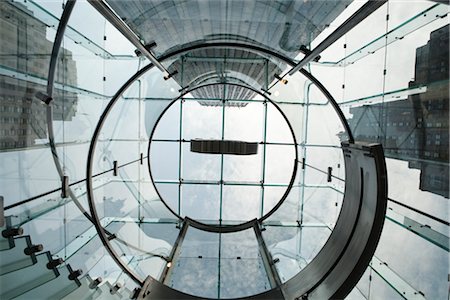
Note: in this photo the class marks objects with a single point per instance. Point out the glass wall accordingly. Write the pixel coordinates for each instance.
(389, 75)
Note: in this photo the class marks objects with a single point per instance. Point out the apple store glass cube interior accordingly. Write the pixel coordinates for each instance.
(180, 137)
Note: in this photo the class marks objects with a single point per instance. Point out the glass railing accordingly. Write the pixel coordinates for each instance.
(434, 12)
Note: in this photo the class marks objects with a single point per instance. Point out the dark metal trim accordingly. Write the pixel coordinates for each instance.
(420, 212)
(377, 225)
(355, 224)
(269, 264)
(175, 253)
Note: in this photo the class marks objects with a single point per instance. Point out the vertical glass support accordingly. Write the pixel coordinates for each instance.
(402, 287)
(263, 177)
(303, 143)
(180, 144)
(269, 264)
(221, 187)
(218, 265)
(174, 254)
(382, 117)
(263, 168)
(139, 147)
(221, 156)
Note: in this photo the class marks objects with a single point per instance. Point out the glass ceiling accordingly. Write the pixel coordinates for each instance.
(281, 25)
(389, 75)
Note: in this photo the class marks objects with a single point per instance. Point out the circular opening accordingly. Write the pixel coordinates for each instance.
(289, 208)
(211, 159)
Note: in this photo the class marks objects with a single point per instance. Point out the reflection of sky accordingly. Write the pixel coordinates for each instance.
(240, 203)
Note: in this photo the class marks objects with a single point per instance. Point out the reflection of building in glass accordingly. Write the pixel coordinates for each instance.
(278, 25)
(416, 129)
(213, 65)
(25, 50)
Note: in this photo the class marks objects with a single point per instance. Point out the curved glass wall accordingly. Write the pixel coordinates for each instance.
(389, 75)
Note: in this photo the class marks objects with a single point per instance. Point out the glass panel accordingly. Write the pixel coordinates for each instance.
(241, 203)
(295, 247)
(321, 205)
(252, 115)
(242, 271)
(430, 276)
(89, 255)
(48, 230)
(280, 162)
(27, 173)
(242, 168)
(168, 127)
(196, 271)
(201, 202)
(200, 166)
(382, 289)
(277, 129)
(289, 211)
(193, 126)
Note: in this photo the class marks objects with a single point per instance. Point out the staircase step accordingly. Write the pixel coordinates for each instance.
(84, 292)
(105, 295)
(57, 288)
(15, 259)
(16, 283)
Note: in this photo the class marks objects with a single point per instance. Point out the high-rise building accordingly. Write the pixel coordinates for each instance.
(26, 51)
(416, 129)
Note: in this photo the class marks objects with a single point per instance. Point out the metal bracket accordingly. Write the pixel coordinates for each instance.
(115, 168)
(285, 81)
(149, 47)
(44, 97)
(329, 174)
(308, 52)
(170, 75)
(65, 187)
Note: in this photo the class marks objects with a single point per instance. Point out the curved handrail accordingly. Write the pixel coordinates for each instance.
(257, 49)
